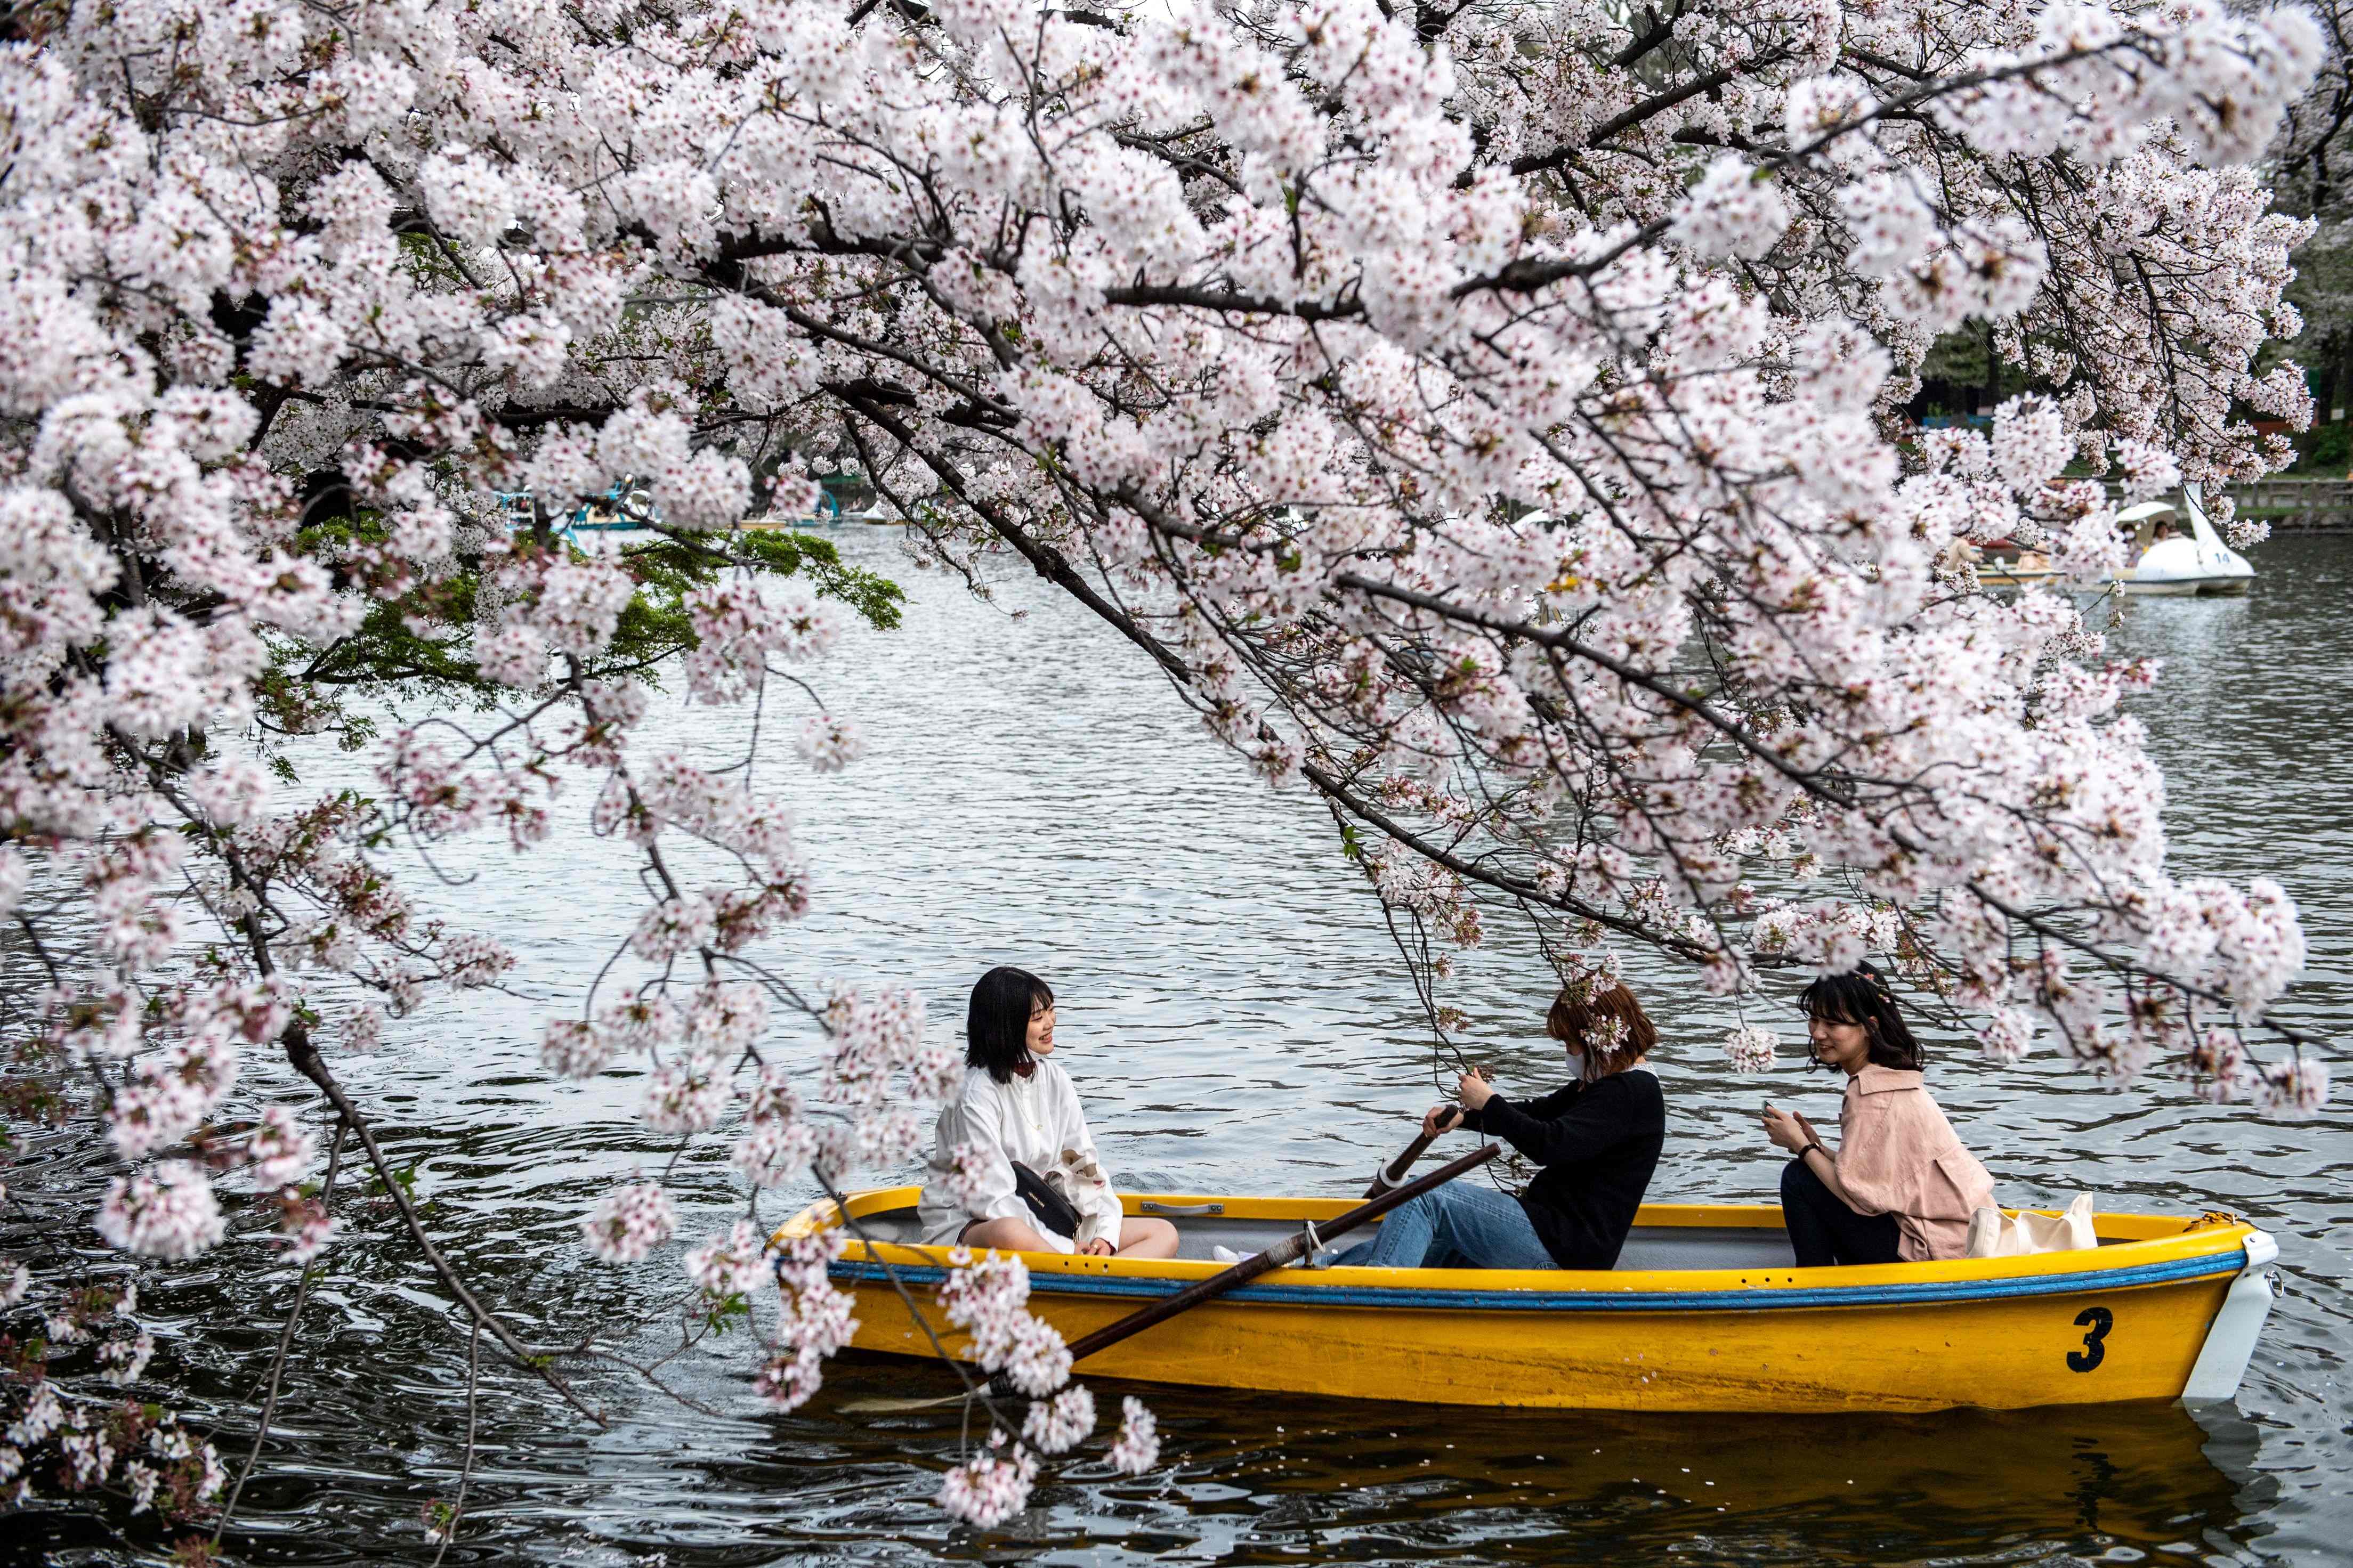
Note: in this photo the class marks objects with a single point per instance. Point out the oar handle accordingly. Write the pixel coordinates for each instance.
(1392, 1176)
(1289, 1250)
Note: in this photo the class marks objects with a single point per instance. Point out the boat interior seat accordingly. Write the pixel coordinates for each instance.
(1649, 1247)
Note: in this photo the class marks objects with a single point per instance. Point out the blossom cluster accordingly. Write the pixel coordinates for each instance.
(815, 1320)
(128, 1446)
(1750, 1049)
(990, 1487)
(987, 1297)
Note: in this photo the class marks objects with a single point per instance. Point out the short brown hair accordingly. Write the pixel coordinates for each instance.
(1608, 1027)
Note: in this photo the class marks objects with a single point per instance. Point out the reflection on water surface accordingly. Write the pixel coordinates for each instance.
(1230, 1009)
(1355, 1482)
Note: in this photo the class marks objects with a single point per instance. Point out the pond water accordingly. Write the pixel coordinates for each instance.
(1233, 1011)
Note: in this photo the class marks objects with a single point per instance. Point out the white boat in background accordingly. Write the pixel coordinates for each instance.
(2197, 561)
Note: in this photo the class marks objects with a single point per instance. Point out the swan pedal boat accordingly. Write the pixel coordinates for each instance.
(1704, 1312)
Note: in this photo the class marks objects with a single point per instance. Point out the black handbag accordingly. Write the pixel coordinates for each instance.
(1052, 1210)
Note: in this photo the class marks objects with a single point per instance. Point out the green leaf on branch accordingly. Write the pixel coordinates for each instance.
(727, 1312)
(875, 597)
(406, 1178)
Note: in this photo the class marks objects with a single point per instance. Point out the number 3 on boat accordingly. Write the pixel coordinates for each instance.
(2098, 1321)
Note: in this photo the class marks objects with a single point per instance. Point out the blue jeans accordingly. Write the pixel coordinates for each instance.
(1453, 1226)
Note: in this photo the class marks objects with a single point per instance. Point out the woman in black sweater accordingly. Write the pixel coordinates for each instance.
(1597, 1140)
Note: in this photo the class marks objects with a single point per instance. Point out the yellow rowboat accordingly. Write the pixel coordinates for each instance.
(1704, 1312)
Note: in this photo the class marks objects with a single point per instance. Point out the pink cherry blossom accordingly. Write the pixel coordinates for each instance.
(724, 1019)
(2299, 1088)
(989, 1489)
(574, 1047)
(873, 1035)
(281, 1151)
(1137, 1447)
(987, 1299)
(774, 1153)
(1750, 1049)
(168, 1213)
(674, 926)
(630, 1222)
(305, 1228)
(89, 1458)
(1733, 211)
(830, 742)
(1057, 1425)
(685, 1094)
(790, 1378)
(122, 1361)
(733, 1263)
(639, 1021)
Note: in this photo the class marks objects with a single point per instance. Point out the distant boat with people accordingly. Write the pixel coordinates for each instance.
(2006, 564)
(629, 506)
(2172, 551)
(623, 506)
(2181, 558)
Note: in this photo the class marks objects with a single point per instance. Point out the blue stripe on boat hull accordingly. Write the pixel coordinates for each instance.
(2086, 1283)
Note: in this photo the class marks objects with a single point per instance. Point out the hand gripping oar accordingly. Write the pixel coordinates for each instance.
(1393, 1175)
(1282, 1253)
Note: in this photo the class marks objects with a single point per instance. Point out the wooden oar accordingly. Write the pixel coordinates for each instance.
(1282, 1253)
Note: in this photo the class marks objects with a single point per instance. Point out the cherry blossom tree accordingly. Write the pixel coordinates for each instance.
(1486, 415)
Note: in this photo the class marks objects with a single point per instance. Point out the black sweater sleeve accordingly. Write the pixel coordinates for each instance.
(1545, 1109)
(1575, 1123)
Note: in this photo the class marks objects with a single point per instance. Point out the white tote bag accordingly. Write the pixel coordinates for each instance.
(1993, 1233)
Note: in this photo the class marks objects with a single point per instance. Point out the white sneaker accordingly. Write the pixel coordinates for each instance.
(1226, 1255)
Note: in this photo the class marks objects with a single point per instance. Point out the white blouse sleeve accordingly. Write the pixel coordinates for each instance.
(972, 1120)
(1091, 1189)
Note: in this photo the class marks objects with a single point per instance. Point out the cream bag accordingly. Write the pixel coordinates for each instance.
(1993, 1233)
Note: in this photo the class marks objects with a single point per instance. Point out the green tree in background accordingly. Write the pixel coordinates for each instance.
(2312, 176)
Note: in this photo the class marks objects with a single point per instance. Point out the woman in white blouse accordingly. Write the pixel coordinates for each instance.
(1016, 1105)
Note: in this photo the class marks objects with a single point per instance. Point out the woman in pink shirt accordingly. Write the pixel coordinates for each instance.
(1899, 1188)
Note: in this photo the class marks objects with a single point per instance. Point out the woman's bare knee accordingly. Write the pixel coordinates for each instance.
(1147, 1238)
(1003, 1235)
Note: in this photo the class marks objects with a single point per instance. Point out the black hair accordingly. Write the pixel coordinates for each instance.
(1862, 996)
(997, 1024)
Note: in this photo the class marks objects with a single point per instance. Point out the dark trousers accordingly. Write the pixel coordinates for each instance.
(1824, 1231)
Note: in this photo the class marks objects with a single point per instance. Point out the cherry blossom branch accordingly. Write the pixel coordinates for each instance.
(304, 1056)
(466, 1467)
(285, 1343)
